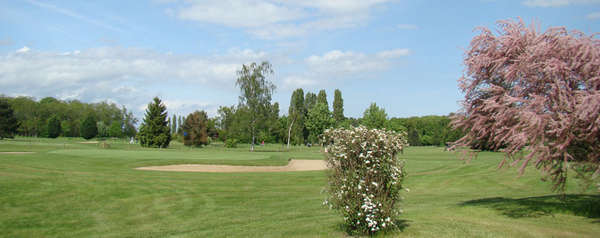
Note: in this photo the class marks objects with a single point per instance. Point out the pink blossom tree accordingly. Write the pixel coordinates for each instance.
(536, 96)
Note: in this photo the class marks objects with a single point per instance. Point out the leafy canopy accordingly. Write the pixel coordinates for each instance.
(89, 128)
(374, 117)
(8, 121)
(534, 92)
(318, 119)
(256, 93)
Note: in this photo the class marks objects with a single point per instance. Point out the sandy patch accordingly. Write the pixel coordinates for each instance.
(294, 165)
(16, 153)
(89, 142)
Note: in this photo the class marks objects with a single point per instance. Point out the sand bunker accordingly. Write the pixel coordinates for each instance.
(16, 153)
(294, 165)
(89, 142)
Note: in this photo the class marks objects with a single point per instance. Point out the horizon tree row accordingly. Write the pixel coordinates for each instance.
(50, 117)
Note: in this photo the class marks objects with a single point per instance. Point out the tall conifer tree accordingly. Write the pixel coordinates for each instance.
(322, 98)
(154, 131)
(338, 107)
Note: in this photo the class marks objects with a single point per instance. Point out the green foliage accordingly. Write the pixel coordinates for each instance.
(256, 93)
(322, 98)
(102, 129)
(426, 130)
(89, 127)
(154, 131)
(296, 118)
(8, 121)
(115, 129)
(174, 124)
(231, 143)
(318, 119)
(366, 177)
(374, 117)
(310, 100)
(195, 129)
(338, 107)
(413, 137)
(233, 121)
(32, 115)
(54, 127)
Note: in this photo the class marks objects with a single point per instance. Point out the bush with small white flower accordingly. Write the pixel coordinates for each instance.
(366, 176)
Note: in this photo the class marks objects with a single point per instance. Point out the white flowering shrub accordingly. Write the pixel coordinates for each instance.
(366, 177)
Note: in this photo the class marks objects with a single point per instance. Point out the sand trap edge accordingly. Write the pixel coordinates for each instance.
(293, 165)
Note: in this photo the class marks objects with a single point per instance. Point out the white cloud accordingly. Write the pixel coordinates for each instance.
(393, 53)
(407, 27)
(336, 66)
(593, 16)
(273, 19)
(23, 50)
(185, 106)
(237, 13)
(340, 62)
(295, 81)
(126, 75)
(556, 3)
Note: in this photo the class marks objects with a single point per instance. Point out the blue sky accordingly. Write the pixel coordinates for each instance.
(406, 56)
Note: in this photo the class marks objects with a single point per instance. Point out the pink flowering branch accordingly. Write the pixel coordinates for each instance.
(537, 93)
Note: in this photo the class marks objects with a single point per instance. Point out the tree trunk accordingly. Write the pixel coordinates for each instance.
(252, 145)
(290, 133)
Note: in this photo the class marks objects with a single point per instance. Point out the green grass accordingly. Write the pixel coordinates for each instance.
(70, 189)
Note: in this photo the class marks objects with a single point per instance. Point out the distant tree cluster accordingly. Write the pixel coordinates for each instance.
(50, 117)
(253, 120)
(426, 130)
(309, 116)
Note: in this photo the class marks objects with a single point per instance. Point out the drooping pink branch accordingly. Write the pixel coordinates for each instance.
(534, 92)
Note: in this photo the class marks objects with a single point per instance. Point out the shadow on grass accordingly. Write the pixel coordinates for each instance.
(402, 224)
(575, 204)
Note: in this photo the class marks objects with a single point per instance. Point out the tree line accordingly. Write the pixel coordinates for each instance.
(255, 119)
(50, 117)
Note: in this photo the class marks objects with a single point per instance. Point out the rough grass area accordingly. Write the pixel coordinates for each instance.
(71, 189)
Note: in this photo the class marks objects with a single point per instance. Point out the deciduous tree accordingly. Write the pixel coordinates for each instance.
(374, 117)
(54, 127)
(89, 129)
(318, 119)
(8, 121)
(115, 129)
(534, 92)
(256, 91)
